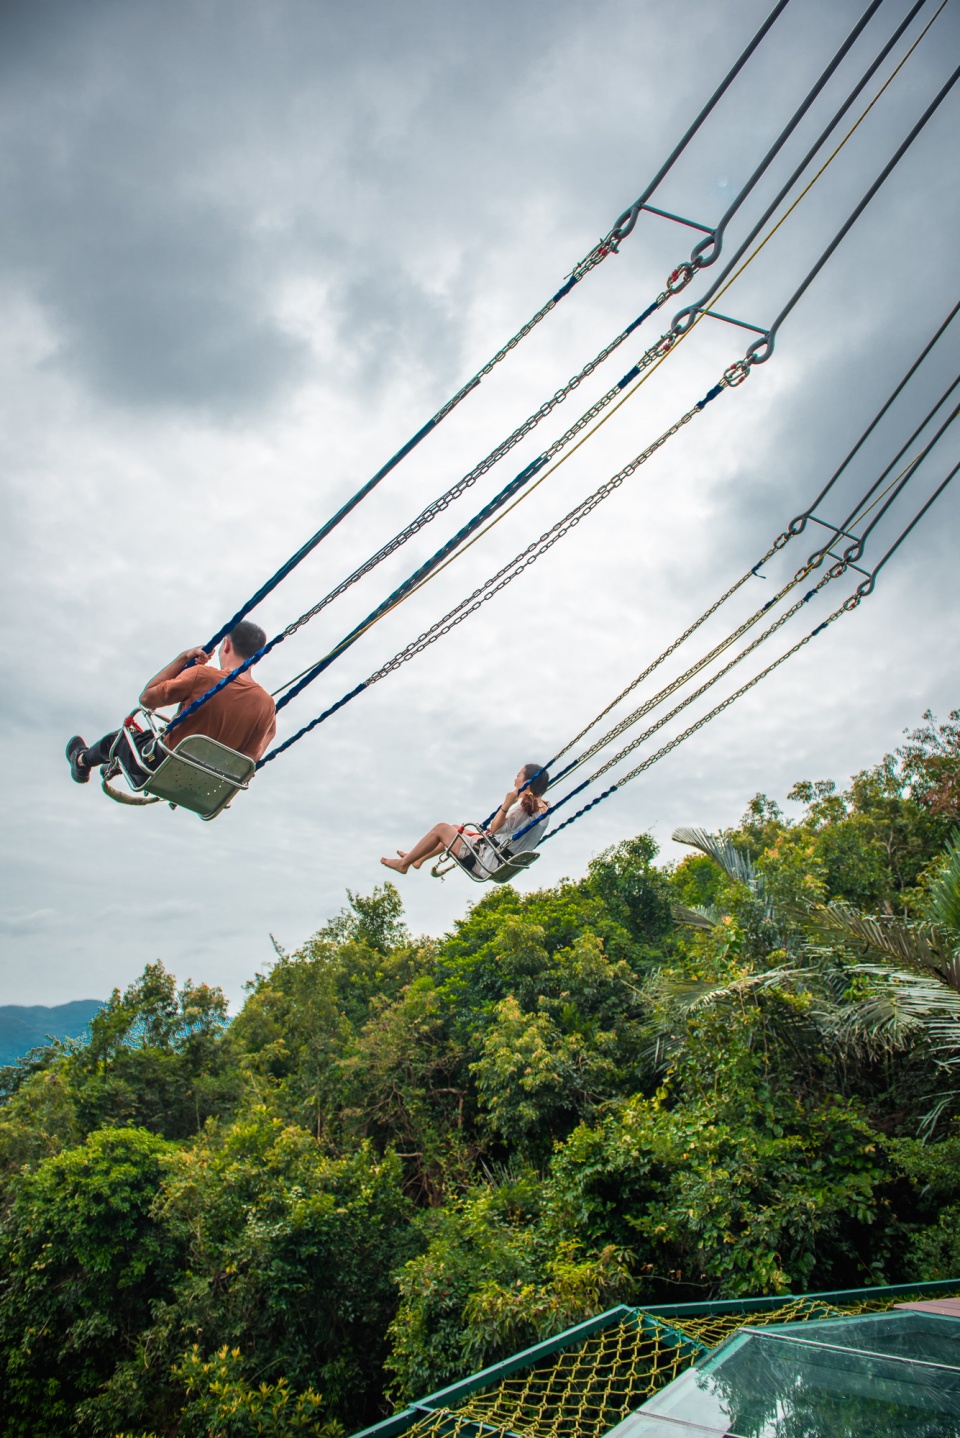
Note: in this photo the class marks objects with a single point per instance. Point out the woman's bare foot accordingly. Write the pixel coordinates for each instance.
(397, 864)
(417, 863)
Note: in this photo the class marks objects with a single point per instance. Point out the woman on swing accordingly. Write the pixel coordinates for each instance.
(521, 804)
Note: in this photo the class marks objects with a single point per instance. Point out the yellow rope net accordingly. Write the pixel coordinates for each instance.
(583, 1391)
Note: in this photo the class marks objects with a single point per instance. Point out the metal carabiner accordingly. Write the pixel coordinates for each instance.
(680, 278)
(736, 374)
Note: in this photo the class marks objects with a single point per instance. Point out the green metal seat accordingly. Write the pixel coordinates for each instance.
(200, 774)
(484, 869)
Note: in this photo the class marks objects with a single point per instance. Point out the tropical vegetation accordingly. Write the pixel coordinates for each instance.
(405, 1156)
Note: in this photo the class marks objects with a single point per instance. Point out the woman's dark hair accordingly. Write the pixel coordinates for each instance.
(536, 779)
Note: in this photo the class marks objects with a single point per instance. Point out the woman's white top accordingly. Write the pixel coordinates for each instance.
(517, 818)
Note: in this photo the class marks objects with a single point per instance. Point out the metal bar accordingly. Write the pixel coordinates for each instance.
(848, 564)
(763, 1305)
(464, 1422)
(730, 321)
(678, 219)
(398, 1423)
(835, 527)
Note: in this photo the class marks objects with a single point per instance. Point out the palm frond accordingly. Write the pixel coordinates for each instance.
(922, 1000)
(734, 863)
(700, 916)
(924, 948)
(942, 904)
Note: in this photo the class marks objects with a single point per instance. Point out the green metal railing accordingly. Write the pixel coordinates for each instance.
(654, 1319)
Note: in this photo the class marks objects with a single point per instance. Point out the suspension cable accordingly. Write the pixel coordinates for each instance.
(861, 592)
(685, 317)
(861, 509)
(761, 349)
(799, 523)
(707, 251)
(622, 227)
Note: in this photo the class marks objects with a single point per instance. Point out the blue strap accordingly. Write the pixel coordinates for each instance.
(323, 531)
(199, 702)
(552, 810)
(710, 395)
(498, 501)
(312, 725)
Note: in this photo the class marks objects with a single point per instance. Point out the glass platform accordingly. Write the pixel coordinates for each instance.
(894, 1374)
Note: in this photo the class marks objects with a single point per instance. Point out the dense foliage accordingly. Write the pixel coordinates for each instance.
(405, 1157)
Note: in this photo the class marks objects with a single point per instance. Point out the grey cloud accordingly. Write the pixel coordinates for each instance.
(173, 178)
(34, 922)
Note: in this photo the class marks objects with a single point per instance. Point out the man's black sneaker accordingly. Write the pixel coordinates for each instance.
(79, 773)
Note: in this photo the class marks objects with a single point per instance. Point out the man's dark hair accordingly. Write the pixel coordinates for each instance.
(246, 638)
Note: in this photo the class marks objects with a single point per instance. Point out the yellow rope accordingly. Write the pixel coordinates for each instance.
(631, 391)
(582, 1392)
(648, 374)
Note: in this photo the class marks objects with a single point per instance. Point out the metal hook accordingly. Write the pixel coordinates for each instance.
(699, 255)
(623, 227)
(683, 320)
(761, 350)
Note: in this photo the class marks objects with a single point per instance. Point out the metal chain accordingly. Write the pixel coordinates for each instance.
(630, 719)
(655, 352)
(778, 544)
(833, 573)
(541, 546)
(846, 607)
(589, 262)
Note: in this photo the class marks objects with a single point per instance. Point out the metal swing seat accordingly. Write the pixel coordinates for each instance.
(200, 774)
(483, 863)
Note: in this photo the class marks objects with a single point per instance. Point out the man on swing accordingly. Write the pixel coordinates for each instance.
(242, 716)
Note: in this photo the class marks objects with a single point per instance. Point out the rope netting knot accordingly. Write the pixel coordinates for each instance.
(585, 1390)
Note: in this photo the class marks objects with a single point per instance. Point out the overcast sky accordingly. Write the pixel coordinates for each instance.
(247, 250)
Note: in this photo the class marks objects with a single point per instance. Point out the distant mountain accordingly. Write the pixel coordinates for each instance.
(23, 1027)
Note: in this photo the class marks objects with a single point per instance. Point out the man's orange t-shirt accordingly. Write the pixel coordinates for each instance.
(242, 715)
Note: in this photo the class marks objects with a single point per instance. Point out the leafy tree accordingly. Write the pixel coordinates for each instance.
(287, 1257)
(155, 1058)
(488, 1283)
(83, 1261)
(222, 1403)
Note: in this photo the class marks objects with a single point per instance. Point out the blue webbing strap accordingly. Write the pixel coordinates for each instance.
(408, 584)
(324, 530)
(498, 501)
(202, 699)
(312, 725)
(541, 818)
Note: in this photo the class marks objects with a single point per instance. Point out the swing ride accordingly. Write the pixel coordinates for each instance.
(202, 775)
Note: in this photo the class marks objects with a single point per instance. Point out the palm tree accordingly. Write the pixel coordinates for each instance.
(909, 972)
